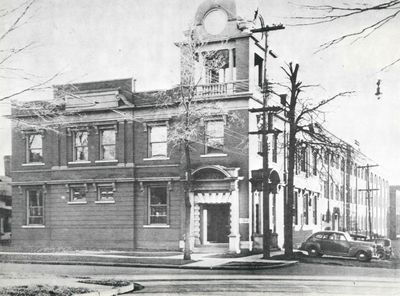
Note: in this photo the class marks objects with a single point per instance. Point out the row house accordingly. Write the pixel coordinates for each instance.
(107, 176)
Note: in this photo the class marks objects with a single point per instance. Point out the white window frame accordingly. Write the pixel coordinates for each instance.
(74, 146)
(72, 187)
(108, 200)
(150, 205)
(28, 207)
(28, 150)
(149, 129)
(207, 138)
(101, 144)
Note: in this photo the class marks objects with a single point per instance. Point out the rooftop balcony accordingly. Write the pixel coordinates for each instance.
(222, 89)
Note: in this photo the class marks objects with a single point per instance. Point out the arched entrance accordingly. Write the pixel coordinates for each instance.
(215, 207)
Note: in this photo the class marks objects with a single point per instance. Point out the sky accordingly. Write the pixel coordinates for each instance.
(89, 40)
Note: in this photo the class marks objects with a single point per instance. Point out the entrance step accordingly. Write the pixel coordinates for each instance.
(212, 248)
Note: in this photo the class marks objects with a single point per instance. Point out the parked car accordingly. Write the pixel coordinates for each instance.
(383, 245)
(384, 248)
(338, 243)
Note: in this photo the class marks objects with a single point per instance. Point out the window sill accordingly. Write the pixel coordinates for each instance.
(214, 155)
(33, 226)
(33, 163)
(156, 226)
(77, 202)
(79, 162)
(106, 161)
(156, 158)
(104, 202)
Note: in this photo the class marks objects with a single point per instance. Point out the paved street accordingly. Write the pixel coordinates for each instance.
(303, 279)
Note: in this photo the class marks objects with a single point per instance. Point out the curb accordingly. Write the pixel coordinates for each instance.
(111, 292)
(274, 266)
(110, 264)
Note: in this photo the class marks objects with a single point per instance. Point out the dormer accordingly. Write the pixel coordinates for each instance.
(95, 95)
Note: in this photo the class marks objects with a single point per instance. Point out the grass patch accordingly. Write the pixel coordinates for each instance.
(81, 259)
(243, 253)
(296, 256)
(250, 265)
(107, 282)
(42, 290)
(143, 254)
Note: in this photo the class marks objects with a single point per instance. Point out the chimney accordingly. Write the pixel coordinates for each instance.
(7, 165)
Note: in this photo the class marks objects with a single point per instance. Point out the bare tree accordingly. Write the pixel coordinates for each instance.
(301, 117)
(193, 104)
(381, 14)
(13, 20)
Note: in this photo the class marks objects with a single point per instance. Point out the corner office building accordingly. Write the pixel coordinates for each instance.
(106, 178)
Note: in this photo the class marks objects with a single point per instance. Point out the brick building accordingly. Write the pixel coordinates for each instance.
(105, 176)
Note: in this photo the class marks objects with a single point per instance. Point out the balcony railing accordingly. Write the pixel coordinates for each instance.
(224, 88)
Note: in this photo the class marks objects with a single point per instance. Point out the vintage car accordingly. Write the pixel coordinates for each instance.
(383, 245)
(338, 243)
(384, 248)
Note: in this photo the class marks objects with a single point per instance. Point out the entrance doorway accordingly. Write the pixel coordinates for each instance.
(335, 221)
(215, 226)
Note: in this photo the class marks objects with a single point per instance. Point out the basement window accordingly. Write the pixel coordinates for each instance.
(105, 193)
(77, 193)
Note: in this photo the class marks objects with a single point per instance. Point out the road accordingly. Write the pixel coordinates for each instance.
(301, 279)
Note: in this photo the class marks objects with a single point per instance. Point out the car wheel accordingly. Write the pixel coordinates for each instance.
(313, 252)
(363, 256)
(381, 255)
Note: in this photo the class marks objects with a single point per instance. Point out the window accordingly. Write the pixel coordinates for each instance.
(214, 137)
(275, 148)
(258, 70)
(34, 152)
(315, 210)
(337, 192)
(342, 165)
(158, 205)
(107, 144)
(78, 193)
(295, 207)
(305, 208)
(105, 192)
(158, 141)
(319, 236)
(326, 157)
(80, 146)
(216, 65)
(315, 163)
(35, 207)
(341, 193)
(333, 160)
(326, 189)
(303, 160)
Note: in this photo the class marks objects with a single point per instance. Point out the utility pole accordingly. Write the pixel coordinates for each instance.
(368, 190)
(356, 197)
(265, 172)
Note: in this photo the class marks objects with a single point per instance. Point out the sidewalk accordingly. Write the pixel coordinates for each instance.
(145, 259)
